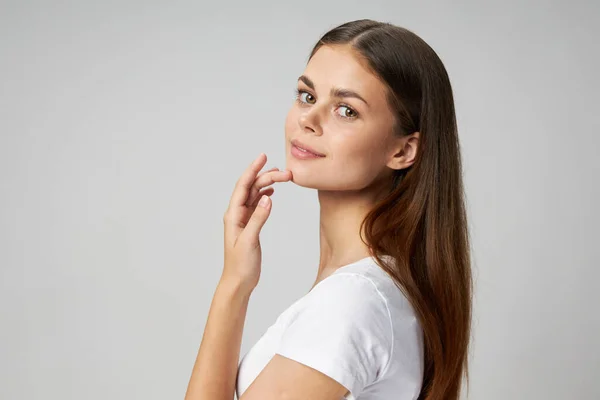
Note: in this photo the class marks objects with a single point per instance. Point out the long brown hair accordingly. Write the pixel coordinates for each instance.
(421, 220)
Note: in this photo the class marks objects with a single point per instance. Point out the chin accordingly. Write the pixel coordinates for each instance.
(301, 175)
(310, 178)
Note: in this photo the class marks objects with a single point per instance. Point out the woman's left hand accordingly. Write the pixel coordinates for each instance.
(244, 219)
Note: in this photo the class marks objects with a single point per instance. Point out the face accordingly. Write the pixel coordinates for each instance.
(351, 128)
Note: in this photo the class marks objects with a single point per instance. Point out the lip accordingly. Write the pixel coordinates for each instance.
(303, 155)
(297, 143)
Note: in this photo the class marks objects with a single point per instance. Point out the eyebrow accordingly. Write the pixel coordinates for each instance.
(335, 92)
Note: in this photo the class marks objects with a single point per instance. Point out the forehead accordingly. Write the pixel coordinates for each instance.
(339, 66)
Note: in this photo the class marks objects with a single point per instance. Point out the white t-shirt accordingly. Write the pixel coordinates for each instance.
(355, 326)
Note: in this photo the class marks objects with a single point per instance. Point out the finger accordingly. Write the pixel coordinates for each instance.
(267, 191)
(254, 189)
(266, 180)
(251, 232)
(242, 186)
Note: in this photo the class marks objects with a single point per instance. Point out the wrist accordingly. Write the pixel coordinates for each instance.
(234, 287)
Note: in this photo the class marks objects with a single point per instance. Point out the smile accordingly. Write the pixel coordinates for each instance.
(303, 154)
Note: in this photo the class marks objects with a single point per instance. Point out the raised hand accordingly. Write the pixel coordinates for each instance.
(248, 210)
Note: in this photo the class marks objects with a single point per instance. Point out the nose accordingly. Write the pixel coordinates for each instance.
(309, 121)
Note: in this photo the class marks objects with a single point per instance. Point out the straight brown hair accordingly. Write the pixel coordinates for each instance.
(421, 220)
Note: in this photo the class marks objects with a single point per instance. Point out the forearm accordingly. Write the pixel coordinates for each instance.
(214, 373)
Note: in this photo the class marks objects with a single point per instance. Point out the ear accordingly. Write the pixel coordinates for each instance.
(404, 151)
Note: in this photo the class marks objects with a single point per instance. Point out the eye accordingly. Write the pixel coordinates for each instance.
(347, 112)
(304, 97)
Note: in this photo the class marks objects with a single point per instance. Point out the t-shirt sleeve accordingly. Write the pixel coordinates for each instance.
(343, 330)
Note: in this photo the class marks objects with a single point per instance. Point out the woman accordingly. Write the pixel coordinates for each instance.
(373, 129)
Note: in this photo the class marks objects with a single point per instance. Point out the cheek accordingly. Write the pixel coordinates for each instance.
(359, 154)
(354, 145)
(291, 122)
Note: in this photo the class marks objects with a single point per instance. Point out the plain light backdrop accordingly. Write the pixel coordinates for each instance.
(124, 126)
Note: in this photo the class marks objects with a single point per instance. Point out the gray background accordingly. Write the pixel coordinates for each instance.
(124, 126)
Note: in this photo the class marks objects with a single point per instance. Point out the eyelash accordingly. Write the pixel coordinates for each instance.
(299, 92)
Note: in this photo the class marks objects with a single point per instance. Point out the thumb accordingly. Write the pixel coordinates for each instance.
(257, 220)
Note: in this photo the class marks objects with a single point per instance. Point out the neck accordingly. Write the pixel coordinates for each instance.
(341, 214)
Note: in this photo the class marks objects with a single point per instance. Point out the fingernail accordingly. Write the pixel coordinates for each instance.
(263, 201)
